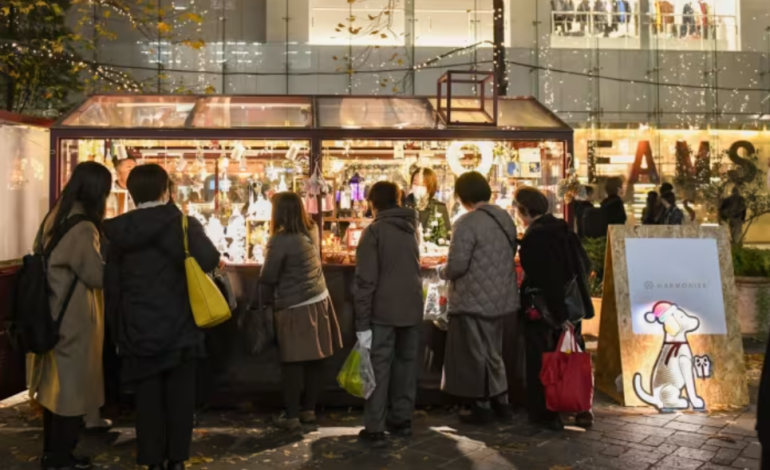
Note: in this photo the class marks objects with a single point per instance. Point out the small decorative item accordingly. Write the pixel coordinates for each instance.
(357, 187)
(569, 188)
(353, 236)
(454, 154)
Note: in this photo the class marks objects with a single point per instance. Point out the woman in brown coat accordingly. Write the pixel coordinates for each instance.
(68, 381)
(305, 322)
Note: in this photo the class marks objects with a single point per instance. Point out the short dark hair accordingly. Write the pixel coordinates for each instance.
(472, 188)
(589, 190)
(669, 197)
(613, 185)
(385, 195)
(531, 200)
(147, 183)
(666, 188)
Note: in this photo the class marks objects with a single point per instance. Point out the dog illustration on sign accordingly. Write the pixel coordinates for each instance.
(675, 369)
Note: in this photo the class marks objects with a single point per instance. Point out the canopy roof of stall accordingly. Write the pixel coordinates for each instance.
(407, 116)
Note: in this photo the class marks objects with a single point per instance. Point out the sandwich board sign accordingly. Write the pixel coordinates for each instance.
(669, 335)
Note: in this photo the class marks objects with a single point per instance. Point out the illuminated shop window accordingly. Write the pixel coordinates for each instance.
(668, 24)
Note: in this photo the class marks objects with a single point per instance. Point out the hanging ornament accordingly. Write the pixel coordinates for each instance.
(282, 185)
(454, 154)
(357, 187)
(238, 151)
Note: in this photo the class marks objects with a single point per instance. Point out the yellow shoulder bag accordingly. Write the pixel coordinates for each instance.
(209, 306)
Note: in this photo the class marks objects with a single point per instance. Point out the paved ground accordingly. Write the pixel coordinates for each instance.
(623, 439)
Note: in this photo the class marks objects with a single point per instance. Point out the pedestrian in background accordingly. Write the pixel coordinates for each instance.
(389, 311)
(149, 311)
(672, 215)
(612, 205)
(579, 208)
(482, 291)
(551, 255)
(306, 325)
(68, 382)
(653, 209)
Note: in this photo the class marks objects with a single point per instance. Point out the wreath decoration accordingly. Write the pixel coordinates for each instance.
(454, 153)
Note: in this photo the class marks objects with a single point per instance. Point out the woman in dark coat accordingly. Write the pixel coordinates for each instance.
(551, 255)
(149, 307)
(305, 323)
(423, 199)
(653, 210)
(612, 205)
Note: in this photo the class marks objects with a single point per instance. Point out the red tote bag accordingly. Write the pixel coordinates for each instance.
(567, 377)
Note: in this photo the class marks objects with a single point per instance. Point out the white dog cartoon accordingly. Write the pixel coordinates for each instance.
(674, 370)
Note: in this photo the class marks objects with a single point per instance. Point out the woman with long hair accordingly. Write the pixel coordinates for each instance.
(424, 186)
(305, 323)
(653, 209)
(551, 255)
(148, 306)
(68, 381)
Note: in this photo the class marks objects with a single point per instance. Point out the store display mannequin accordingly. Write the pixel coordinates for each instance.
(667, 16)
(600, 16)
(688, 20)
(558, 7)
(584, 16)
(705, 18)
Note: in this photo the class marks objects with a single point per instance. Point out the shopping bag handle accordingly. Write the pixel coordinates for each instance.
(572, 343)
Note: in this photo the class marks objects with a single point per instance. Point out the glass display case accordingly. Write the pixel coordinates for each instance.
(227, 155)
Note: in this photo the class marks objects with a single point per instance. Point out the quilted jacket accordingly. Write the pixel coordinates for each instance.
(293, 268)
(480, 265)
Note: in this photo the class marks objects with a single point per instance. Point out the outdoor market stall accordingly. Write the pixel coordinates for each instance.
(228, 154)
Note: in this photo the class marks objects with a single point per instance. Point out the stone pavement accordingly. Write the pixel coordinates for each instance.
(624, 439)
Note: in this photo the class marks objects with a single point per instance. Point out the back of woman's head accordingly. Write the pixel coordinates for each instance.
(652, 198)
(289, 215)
(385, 195)
(531, 201)
(472, 188)
(148, 183)
(669, 197)
(89, 185)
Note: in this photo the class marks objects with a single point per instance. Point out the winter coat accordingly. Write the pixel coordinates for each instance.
(434, 206)
(614, 210)
(148, 302)
(293, 268)
(388, 287)
(672, 216)
(69, 380)
(551, 255)
(480, 264)
(579, 209)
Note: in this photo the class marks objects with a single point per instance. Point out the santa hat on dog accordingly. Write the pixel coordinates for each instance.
(660, 312)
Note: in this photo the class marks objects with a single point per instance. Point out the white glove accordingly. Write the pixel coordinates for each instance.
(365, 339)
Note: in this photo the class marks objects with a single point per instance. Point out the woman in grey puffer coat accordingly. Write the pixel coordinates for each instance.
(482, 291)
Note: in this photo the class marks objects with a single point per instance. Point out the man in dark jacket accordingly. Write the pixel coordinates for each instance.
(148, 306)
(389, 307)
(612, 206)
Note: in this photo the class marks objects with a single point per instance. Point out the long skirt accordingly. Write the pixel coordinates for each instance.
(473, 364)
(307, 333)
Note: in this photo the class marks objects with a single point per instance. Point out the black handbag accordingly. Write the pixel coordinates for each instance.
(258, 323)
(573, 304)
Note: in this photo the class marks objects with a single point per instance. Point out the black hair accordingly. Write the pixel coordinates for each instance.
(669, 197)
(147, 183)
(613, 185)
(666, 188)
(385, 195)
(589, 190)
(531, 201)
(472, 188)
(89, 185)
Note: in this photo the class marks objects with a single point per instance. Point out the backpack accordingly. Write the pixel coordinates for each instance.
(33, 328)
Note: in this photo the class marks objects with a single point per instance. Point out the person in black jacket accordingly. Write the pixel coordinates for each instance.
(389, 308)
(653, 210)
(579, 208)
(149, 307)
(551, 255)
(612, 205)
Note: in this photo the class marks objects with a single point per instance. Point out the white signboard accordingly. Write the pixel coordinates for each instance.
(675, 272)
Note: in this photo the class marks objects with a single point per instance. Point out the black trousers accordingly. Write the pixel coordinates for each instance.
(165, 407)
(293, 376)
(60, 437)
(541, 338)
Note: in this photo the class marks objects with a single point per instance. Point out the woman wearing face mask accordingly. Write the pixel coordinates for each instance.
(423, 198)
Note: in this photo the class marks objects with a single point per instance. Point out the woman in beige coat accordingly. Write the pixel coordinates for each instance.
(67, 381)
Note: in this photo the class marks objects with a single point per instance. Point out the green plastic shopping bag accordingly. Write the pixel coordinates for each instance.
(357, 375)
